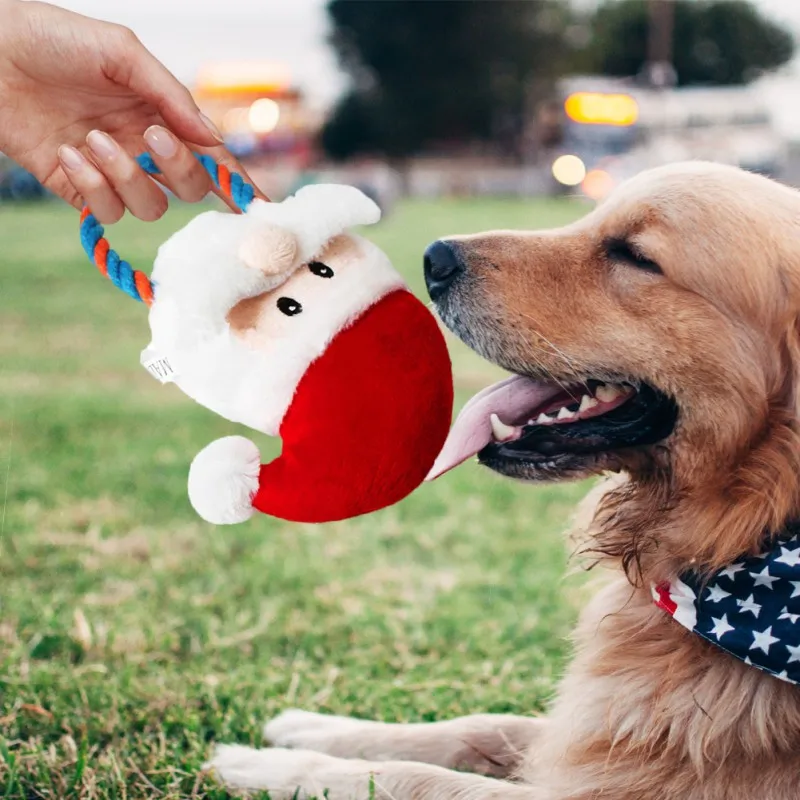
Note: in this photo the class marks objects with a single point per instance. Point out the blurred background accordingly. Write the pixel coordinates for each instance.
(508, 97)
(133, 635)
(519, 97)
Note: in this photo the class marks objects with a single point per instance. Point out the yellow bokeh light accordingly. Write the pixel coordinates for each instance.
(264, 115)
(569, 170)
(597, 184)
(594, 108)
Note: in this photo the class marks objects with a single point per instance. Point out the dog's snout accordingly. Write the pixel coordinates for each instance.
(442, 267)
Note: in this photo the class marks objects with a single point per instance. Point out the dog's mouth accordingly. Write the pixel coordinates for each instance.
(540, 430)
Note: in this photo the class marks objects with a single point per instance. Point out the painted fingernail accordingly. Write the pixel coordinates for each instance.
(161, 141)
(102, 145)
(212, 127)
(70, 157)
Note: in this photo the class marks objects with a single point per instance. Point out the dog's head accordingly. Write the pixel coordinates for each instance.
(657, 336)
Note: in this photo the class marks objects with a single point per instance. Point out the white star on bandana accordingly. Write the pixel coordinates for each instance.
(763, 578)
(717, 593)
(794, 653)
(790, 557)
(763, 640)
(721, 626)
(730, 572)
(749, 604)
(786, 614)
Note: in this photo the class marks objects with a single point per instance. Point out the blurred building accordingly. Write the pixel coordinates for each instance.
(599, 131)
(591, 134)
(780, 92)
(262, 115)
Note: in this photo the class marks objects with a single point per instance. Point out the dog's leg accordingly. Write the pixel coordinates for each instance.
(303, 774)
(489, 744)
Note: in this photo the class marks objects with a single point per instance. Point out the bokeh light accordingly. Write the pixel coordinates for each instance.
(569, 170)
(597, 184)
(264, 115)
(596, 108)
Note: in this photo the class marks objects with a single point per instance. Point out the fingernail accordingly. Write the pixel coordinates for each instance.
(161, 141)
(212, 127)
(102, 145)
(70, 157)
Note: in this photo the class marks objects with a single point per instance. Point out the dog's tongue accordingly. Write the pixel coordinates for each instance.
(512, 400)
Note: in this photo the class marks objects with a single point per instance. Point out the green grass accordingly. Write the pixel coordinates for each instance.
(133, 636)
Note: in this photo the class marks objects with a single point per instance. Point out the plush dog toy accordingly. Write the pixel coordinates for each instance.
(282, 320)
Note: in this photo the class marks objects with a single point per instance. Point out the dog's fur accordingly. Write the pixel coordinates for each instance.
(646, 710)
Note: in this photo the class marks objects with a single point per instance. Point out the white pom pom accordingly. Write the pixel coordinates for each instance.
(223, 479)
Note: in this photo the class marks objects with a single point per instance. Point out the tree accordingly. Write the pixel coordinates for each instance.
(438, 71)
(351, 128)
(718, 42)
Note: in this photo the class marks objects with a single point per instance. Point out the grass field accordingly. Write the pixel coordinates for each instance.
(133, 636)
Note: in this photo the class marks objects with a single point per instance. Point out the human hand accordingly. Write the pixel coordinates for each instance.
(80, 97)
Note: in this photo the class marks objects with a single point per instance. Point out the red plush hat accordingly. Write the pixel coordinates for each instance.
(282, 320)
(362, 428)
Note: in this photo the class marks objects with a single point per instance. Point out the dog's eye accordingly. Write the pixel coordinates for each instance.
(623, 252)
(288, 306)
(320, 269)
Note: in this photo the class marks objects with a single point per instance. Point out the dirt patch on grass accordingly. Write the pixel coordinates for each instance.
(134, 545)
(77, 515)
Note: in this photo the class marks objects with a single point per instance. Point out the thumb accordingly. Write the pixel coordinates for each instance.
(152, 81)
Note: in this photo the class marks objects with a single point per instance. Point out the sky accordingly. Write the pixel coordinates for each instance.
(187, 33)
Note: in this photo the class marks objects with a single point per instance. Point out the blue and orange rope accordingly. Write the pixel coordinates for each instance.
(134, 283)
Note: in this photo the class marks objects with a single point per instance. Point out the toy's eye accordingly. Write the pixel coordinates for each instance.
(320, 269)
(288, 306)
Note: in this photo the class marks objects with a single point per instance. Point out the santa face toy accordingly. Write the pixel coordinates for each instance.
(283, 321)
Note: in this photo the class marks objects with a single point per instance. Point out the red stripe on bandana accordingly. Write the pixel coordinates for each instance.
(663, 599)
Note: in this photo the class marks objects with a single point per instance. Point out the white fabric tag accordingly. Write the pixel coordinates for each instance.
(158, 366)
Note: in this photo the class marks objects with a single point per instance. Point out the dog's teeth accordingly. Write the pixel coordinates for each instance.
(543, 419)
(587, 402)
(607, 393)
(501, 431)
(565, 413)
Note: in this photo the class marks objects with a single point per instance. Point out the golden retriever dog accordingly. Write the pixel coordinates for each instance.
(658, 340)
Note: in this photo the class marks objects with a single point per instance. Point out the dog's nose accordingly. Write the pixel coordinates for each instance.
(442, 267)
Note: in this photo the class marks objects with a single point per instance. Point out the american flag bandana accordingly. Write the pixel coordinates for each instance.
(750, 609)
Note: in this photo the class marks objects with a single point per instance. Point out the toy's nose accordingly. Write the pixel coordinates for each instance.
(442, 267)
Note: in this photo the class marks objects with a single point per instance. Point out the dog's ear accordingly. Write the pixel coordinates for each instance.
(270, 249)
(764, 491)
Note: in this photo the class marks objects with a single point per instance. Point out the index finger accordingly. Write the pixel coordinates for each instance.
(146, 76)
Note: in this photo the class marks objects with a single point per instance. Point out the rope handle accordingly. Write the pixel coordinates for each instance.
(134, 283)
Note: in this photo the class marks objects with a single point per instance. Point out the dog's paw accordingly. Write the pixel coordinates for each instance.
(305, 729)
(285, 774)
